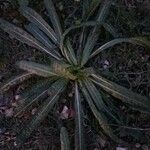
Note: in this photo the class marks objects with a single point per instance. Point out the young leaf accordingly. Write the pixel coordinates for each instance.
(120, 92)
(79, 138)
(35, 68)
(15, 80)
(24, 37)
(54, 93)
(35, 18)
(65, 143)
(54, 17)
(71, 52)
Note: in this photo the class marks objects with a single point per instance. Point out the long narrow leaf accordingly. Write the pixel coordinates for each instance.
(121, 93)
(35, 68)
(54, 17)
(136, 40)
(24, 37)
(93, 35)
(97, 98)
(79, 138)
(15, 80)
(71, 52)
(65, 143)
(35, 18)
(37, 92)
(39, 35)
(100, 116)
(54, 94)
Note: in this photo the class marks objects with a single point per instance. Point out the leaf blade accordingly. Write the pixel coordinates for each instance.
(54, 17)
(35, 68)
(79, 140)
(35, 18)
(56, 89)
(93, 35)
(15, 80)
(135, 40)
(24, 37)
(120, 92)
(100, 116)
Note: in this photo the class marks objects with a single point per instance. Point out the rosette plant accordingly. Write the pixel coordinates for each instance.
(67, 67)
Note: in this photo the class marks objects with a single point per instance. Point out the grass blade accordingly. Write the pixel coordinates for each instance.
(56, 89)
(120, 92)
(24, 37)
(35, 18)
(15, 80)
(65, 143)
(79, 138)
(53, 17)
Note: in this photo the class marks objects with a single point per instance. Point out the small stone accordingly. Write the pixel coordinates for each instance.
(137, 145)
(70, 95)
(17, 97)
(64, 114)
(121, 148)
(34, 111)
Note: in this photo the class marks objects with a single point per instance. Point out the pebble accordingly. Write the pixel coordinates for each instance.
(121, 148)
(137, 145)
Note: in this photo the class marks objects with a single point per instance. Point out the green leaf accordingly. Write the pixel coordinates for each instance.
(100, 116)
(136, 40)
(120, 92)
(39, 35)
(24, 37)
(37, 92)
(35, 68)
(35, 18)
(84, 24)
(69, 53)
(93, 35)
(54, 17)
(65, 143)
(15, 80)
(54, 93)
(97, 98)
(79, 138)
